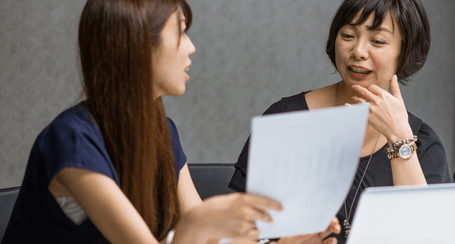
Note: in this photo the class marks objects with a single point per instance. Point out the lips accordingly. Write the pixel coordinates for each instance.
(186, 70)
(188, 67)
(359, 70)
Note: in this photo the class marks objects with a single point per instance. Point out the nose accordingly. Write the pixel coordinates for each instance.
(191, 47)
(360, 50)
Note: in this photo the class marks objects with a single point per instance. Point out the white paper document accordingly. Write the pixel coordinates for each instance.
(306, 161)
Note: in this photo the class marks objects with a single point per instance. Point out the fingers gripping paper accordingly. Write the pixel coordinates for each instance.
(306, 161)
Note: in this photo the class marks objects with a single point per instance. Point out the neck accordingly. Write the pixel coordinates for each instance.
(345, 93)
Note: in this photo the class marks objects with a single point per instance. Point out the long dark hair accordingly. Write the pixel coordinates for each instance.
(116, 40)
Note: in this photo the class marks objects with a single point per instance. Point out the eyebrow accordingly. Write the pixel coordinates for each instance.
(376, 29)
(381, 29)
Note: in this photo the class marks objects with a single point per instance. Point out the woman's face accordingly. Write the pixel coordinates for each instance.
(171, 59)
(366, 57)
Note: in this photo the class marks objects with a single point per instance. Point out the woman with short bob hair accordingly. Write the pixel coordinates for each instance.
(374, 44)
(410, 18)
(111, 169)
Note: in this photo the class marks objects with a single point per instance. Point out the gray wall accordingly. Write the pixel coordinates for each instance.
(250, 53)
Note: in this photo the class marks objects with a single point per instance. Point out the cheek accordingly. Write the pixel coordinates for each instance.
(341, 53)
(385, 69)
(385, 66)
(387, 61)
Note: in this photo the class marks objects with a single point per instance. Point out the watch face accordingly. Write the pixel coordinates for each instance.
(405, 152)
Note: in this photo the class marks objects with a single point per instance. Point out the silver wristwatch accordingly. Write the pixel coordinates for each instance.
(401, 149)
(406, 150)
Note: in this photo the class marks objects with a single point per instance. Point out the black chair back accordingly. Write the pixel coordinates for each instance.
(8, 198)
(211, 179)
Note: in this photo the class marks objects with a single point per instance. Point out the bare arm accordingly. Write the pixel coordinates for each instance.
(230, 216)
(106, 205)
(187, 193)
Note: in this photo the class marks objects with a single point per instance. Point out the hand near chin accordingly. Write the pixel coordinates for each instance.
(318, 238)
(388, 113)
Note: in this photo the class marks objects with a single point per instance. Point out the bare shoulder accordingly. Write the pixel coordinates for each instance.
(321, 98)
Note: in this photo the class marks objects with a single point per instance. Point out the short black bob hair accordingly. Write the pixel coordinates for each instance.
(411, 19)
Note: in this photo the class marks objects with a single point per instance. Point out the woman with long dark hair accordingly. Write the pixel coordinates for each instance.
(111, 168)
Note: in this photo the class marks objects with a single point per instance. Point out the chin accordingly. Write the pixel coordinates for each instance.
(363, 83)
(180, 91)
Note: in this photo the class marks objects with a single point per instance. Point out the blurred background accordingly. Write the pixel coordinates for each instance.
(250, 53)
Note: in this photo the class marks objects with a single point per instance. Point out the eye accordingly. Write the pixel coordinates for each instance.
(378, 42)
(184, 32)
(182, 27)
(346, 36)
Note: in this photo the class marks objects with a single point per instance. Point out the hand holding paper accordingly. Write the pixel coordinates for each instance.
(306, 161)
